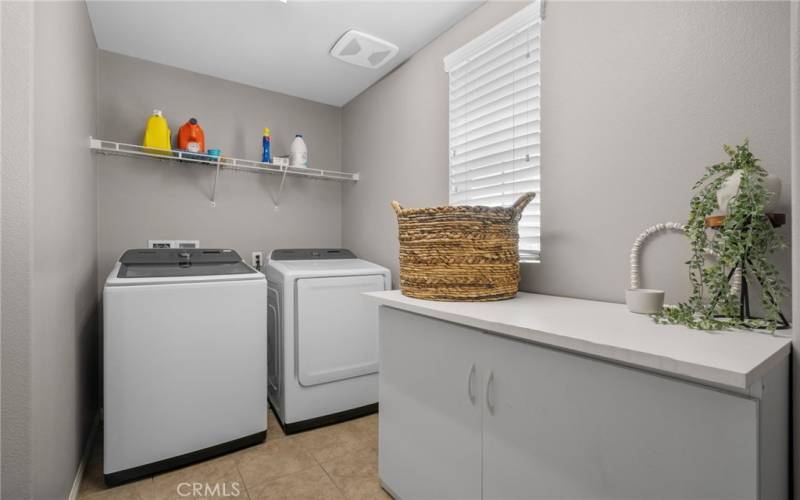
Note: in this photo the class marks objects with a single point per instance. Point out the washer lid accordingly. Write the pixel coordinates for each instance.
(175, 262)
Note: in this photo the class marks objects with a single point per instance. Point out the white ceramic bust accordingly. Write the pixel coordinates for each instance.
(731, 186)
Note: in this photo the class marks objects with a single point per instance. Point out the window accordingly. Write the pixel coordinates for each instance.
(495, 121)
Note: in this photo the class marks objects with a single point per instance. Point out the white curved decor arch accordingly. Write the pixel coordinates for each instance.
(674, 227)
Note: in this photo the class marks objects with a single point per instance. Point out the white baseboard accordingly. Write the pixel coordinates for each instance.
(87, 455)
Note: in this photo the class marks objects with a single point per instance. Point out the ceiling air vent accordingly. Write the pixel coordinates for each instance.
(363, 49)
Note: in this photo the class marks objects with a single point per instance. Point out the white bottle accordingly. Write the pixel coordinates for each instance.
(298, 157)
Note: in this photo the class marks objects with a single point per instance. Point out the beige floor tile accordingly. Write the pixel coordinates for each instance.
(215, 478)
(283, 467)
(333, 441)
(272, 460)
(365, 429)
(368, 423)
(274, 430)
(362, 463)
(139, 490)
(202, 490)
(361, 488)
(356, 475)
(310, 484)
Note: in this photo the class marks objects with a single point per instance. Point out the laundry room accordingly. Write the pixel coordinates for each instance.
(408, 249)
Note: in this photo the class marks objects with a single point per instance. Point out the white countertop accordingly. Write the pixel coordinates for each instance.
(733, 359)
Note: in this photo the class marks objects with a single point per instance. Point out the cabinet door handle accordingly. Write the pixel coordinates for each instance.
(489, 390)
(470, 383)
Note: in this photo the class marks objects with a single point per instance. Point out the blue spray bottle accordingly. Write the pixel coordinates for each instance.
(266, 154)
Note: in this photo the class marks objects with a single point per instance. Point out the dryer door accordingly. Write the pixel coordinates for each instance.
(336, 328)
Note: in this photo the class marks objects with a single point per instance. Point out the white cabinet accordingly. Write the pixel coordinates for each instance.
(536, 422)
(430, 417)
(565, 426)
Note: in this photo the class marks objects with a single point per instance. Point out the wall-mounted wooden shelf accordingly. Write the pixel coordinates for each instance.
(219, 163)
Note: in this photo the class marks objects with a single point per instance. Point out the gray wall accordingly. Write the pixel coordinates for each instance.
(141, 199)
(16, 125)
(795, 68)
(51, 250)
(638, 98)
(64, 225)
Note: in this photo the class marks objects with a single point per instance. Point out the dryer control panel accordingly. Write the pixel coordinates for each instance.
(311, 254)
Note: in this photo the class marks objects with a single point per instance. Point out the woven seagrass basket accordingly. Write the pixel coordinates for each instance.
(460, 253)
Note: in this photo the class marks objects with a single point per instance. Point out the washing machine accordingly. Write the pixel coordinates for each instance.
(184, 359)
(322, 336)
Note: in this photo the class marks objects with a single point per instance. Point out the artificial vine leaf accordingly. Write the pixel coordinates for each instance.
(747, 235)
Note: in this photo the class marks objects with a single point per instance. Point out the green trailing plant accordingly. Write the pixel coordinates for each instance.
(747, 235)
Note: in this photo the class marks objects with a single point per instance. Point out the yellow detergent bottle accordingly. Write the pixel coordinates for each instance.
(157, 134)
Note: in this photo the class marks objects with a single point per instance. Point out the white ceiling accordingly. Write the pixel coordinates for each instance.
(269, 44)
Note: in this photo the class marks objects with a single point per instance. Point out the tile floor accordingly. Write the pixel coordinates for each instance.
(338, 462)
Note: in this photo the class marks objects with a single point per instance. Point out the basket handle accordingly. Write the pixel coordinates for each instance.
(397, 208)
(521, 203)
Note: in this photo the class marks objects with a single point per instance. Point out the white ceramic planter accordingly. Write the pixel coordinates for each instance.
(730, 188)
(644, 300)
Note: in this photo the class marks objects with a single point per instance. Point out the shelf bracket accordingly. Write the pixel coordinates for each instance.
(277, 199)
(214, 187)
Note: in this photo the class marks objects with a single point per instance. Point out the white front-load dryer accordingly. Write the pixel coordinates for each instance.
(322, 336)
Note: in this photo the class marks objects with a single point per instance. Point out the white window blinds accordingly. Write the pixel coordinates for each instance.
(495, 121)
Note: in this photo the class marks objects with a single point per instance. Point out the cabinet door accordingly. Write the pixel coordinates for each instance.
(430, 416)
(558, 425)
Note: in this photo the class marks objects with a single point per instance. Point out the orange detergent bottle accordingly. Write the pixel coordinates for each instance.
(191, 137)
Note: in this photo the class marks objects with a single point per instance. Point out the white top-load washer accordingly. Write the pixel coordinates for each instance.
(322, 336)
(184, 359)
